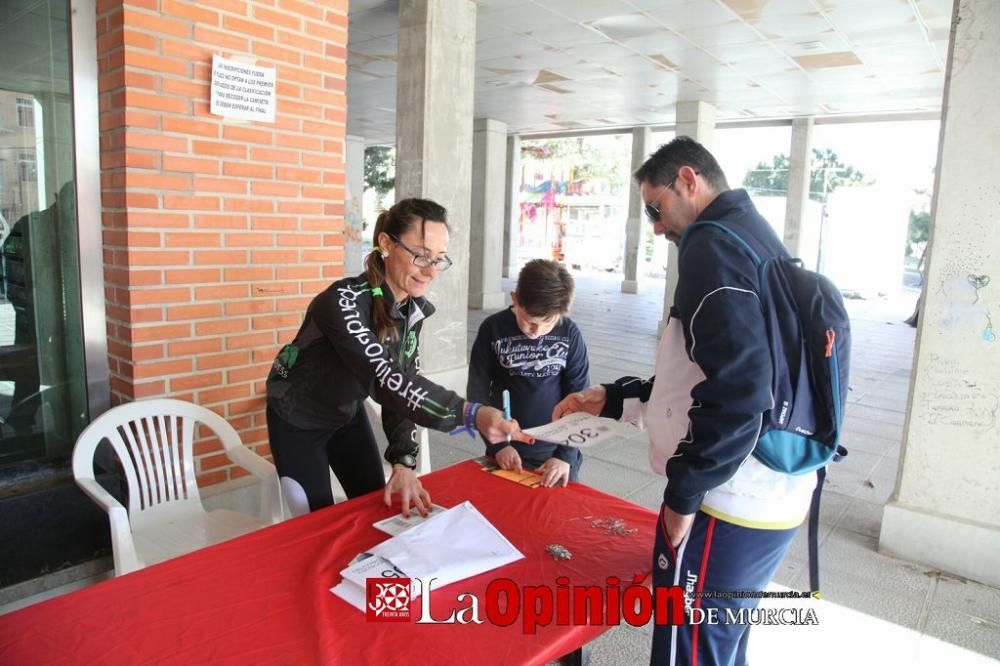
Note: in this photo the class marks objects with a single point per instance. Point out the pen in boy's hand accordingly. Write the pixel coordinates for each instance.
(506, 409)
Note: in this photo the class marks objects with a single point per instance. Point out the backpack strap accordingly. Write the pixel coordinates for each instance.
(814, 531)
(718, 225)
(813, 536)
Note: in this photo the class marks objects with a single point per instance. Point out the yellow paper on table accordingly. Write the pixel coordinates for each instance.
(524, 478)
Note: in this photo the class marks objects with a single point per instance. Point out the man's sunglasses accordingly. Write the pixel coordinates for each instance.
(653, 211)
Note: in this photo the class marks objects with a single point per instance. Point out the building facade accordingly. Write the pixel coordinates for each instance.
(188, 243)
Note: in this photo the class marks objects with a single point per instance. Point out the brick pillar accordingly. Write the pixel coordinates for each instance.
(217, 233)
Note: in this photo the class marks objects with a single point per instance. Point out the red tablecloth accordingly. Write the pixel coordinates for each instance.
(264, 597)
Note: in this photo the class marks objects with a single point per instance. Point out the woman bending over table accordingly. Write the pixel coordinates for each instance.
(360, 338)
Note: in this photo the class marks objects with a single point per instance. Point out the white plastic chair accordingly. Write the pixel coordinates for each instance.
(153, 441)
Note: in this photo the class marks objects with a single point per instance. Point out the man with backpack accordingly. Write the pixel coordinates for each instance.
(727, 517)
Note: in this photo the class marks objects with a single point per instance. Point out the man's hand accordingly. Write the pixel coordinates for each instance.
(404, 481)
(590, 400)
(508, 458)
(554, 472)
(678, 525)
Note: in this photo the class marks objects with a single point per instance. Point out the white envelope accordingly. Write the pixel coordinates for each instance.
(352, 588)
(456, 544)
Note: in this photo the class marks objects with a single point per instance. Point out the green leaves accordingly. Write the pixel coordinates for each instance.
(380, 169)
(826, 173)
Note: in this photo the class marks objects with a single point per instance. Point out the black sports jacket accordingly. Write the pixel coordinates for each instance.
(336, 361)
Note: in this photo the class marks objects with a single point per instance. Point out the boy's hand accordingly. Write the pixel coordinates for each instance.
(590, 400)
(508, 458)
(554, 472)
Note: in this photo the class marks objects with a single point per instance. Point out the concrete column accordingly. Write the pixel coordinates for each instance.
(945, 511)
(642, 146)
(354, 191)
(801, 242)
(696, 120)
(512, 208)
(434, 87)
(489, 175)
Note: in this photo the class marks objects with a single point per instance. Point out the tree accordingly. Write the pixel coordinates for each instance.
(380, 171)
(826, 173)
(589, 157)
(920, 222)
(768, 178)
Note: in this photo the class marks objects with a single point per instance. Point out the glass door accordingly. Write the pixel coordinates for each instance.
(43, 399)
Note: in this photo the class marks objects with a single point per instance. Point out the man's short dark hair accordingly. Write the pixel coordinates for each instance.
(544, 288)
(662, 166)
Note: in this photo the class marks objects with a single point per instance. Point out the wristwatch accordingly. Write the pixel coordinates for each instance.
(406, 460)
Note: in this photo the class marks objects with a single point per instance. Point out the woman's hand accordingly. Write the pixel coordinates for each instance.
(590, 400)
(554, 472)
(509, 459)
(404, 481)
(495, 428)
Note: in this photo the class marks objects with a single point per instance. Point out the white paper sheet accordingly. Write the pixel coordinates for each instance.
(364, 566)
(457, 543)
(579, 429)
(398, 524)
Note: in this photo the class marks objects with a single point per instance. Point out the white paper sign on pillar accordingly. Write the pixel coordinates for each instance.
(240, 90)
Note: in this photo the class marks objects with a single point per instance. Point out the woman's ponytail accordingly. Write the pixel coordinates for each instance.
(382, 321)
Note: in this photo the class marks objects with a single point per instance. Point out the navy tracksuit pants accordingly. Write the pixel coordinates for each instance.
(716, 556)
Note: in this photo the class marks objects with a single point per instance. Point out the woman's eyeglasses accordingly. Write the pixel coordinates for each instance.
(424, 260)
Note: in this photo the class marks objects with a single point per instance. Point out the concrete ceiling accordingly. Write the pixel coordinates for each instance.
(558, 65)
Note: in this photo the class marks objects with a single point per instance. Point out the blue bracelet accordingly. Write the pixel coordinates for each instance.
(468, 420)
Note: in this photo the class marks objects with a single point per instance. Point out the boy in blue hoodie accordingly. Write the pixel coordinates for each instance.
(536, 352)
